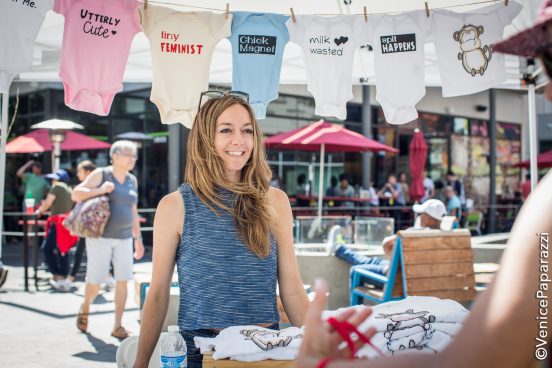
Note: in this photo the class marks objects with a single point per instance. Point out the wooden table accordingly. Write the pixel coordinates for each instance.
(209, 362)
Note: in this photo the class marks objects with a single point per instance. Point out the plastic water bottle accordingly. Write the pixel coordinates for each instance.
(173, 349)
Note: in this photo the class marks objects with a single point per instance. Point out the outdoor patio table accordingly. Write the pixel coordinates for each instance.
(30, 221)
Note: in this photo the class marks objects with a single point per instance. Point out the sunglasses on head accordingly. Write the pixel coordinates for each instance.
(214, 94)
(543, 52)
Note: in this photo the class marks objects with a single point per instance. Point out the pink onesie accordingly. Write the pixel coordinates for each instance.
(96, 45)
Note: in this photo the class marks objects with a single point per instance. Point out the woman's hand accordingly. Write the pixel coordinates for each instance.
(320, 339)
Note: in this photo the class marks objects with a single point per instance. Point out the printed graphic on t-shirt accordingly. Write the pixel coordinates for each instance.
(29, 3)
(254, 44)
(408, 330)
(268, 340)
(326, 46)
(398, 43)
(98, 24)
(174, 47)
(475, 59)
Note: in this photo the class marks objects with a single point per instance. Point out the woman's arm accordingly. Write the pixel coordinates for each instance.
(90, 187)
(137, 234)
(46, 204)
(167, 226)
(292, 292)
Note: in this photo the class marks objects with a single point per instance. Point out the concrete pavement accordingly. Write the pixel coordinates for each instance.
(37, 329)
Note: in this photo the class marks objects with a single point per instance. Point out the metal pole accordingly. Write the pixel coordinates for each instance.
(367, 132)
(492, 160)
(3, 142)
(57, 154)
(532, 127)
(321, 183)
(174, 158)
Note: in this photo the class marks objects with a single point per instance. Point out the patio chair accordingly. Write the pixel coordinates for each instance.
(473, 221)
(424, 262)
(126, 354)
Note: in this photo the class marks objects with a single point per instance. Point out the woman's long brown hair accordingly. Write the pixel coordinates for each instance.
(205, 173)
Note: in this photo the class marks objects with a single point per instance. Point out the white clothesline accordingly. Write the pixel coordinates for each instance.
(328, 14)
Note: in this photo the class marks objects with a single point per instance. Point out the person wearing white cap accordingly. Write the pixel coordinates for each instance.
(431, 213)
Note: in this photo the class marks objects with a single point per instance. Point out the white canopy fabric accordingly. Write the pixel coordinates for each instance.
(48, 44)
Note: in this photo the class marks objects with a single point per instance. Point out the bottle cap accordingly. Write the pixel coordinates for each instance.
(173, 329)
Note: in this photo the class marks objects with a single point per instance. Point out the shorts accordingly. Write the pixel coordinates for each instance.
(101, 252)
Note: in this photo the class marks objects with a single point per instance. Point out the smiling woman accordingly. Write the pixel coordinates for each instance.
(227, 231)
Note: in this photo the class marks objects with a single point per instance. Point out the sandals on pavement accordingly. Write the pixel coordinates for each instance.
(120, 333)
(82, 321)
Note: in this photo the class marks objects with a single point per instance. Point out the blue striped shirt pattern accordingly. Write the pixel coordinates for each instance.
(222, 283)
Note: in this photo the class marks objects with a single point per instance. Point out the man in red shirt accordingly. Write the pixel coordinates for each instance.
(526, 187)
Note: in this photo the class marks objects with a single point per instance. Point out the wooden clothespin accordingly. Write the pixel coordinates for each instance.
(227, 10)
(293, 15)
(506, 2)
(427, 9)
(145, 4)
(365, 15)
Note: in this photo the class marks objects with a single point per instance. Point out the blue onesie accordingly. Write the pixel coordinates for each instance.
(258, 42)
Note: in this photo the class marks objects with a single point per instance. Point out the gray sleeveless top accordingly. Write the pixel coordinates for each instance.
(222, 283)
(121, 200)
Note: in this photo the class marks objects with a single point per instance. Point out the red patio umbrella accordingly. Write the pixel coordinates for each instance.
(38, 141)
(417, 159)
(543, 160)
(323, 136)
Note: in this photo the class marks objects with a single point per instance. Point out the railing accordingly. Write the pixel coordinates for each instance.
(404, 216)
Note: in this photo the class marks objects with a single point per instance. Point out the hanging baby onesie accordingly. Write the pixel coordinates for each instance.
(464, 46)
(182, 45)
(258, 42)
(20, 22)
(398, 45)
(96, 44)
(328, 46)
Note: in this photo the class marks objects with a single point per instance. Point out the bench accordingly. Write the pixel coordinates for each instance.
(424, 262)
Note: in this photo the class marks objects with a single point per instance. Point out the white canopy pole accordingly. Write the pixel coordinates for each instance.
(321, 182)
(3, 142)
(532, 129)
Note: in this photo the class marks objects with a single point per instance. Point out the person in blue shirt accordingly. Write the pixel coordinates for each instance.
(454, 207)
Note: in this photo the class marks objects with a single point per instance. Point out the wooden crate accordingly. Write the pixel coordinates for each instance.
(209, 362)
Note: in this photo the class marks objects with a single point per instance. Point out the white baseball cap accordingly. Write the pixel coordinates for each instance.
(433, 207)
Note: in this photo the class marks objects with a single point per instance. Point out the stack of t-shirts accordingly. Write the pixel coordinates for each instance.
(415, 324)
(253, 343)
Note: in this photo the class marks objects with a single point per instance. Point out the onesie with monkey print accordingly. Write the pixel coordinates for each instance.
(463, 42)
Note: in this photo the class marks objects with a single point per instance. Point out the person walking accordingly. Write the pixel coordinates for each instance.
(121, 231)
(59, 202)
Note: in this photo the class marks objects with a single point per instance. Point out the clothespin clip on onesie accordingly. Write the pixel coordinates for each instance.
(427, 9)
(293, 15)
(365, 15)
(227, 10)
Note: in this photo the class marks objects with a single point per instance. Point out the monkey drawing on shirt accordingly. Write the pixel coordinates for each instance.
(475, 59)
(409, 330)
(268, 340)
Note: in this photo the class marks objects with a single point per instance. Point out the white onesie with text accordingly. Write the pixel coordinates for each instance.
(398, 46)
(20, 21)
(328, 47)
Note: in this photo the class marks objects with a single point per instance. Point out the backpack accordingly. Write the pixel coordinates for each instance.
(88, 218)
